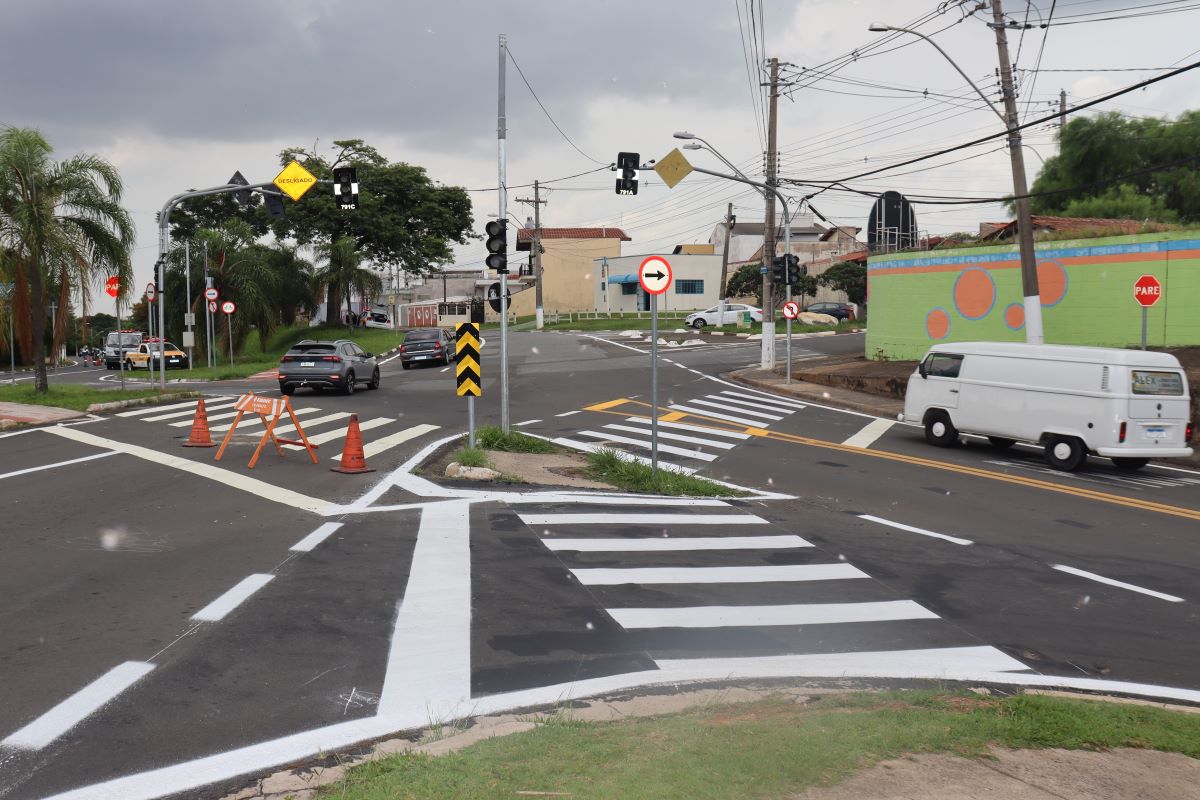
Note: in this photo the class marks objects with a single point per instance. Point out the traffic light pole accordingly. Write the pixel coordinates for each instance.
(501, 133)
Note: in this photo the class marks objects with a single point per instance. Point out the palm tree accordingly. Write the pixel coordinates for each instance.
(344, 276)
(56, 219)
(296, 279)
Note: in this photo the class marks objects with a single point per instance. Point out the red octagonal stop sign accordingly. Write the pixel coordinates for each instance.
(1147, 290)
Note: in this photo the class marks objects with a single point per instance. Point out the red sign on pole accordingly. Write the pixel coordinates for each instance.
(229, 307)
(655, 275)
(1147, 290)
(112, 286)
(150, 292)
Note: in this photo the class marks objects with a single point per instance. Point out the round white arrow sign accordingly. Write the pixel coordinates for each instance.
(655, 275)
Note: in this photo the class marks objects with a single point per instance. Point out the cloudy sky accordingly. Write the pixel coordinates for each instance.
(180, 94)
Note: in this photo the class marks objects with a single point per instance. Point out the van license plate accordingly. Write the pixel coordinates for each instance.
(1156, 433)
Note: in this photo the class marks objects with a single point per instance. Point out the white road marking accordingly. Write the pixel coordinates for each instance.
(756, 616)
(429, 660)
(526, 422)
(683, 426)
(248, 420)
(761, 574)
(646, 444)
(756, 423)
(322, 533)
(189, 412)
(770, 400)
(676, 437)
(137, 412)
(950, 663)
(727, 407)
(658, 544)
(1119, 584)
(444, 369)
(588, 447)
(219, 608)
(76, 708)
(312, 423)
(534, 520)
(870, 433)
(57, 464)
(911, 529)
(203, 469)
(737, 405)
(567, 413)
(338, 433)
(379, 445)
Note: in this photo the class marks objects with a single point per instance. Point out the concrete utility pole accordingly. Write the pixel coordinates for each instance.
(768, 251)
(1062, 109)
(501, 134)
(1029, 276)
(537, 202)
(723, 294)
(187, 279)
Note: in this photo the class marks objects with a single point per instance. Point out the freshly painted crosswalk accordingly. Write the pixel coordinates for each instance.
(321, 426)
(694, 587)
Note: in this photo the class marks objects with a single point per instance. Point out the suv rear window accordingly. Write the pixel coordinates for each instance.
(313, 348)
(1157, 383)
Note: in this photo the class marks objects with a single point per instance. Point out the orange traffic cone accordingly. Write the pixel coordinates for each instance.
(353, 458)
(199, 436)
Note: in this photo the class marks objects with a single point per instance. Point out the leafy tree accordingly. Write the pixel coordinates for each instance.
(63, 227)
(343, 276)
(746, 281)
(849, 277)
(1122, 167)
(806, 286)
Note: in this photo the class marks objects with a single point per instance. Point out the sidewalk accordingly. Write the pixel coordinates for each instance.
(12, 414)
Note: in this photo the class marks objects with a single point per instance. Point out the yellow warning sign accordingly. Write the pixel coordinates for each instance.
(295, 180)
(673, 168)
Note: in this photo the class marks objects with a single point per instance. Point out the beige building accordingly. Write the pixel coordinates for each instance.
(695, 284)
(570, 275)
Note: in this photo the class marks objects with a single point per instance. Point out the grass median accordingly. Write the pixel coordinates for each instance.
(771, 748)
(65, 395)
(634, 476)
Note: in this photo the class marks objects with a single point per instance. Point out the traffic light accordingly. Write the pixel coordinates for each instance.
(786, 270)
(627, 166)
(345, 188)
(779, 271)
(274, 204)
(497, 245)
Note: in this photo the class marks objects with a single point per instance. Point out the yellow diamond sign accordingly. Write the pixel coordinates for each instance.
(673, 168)
(295, 180)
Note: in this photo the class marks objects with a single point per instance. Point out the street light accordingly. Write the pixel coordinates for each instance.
(1029, 278)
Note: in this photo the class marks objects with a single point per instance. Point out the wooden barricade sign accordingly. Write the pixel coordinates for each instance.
(467, 370)
(269, 411)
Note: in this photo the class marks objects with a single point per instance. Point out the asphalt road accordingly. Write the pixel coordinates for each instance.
(174, 622)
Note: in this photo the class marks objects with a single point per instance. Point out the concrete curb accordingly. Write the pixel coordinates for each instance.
(99, 408)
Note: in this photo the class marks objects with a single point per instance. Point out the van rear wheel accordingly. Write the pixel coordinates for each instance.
(1066, 453)
(1130, 464)
(1000, 443)
(939, 430)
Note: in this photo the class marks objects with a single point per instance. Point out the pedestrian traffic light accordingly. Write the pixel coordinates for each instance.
(345, 188)
(627, 166)
(497, 245)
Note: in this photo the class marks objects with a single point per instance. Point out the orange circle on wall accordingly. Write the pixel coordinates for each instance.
(1014, 316)
(1052, 282)
(937, 323)
(974, 293)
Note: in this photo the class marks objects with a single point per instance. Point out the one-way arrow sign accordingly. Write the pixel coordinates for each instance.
(655, 275)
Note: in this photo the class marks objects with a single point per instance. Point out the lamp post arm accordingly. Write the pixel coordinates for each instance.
(954, 64)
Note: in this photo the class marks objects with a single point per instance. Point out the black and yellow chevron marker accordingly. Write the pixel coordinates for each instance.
(466, 352)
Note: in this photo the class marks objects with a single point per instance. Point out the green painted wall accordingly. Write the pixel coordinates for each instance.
(919, 299)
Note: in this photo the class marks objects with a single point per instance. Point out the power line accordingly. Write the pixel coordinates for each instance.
(755, 101)
(552, 180)
(513, 58)
(1038, 63)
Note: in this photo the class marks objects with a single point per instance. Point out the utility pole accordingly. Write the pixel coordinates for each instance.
(1062, 109)
(501, 134)
(187, 279)
(537, 202)
(1029, 277)
(768, 250)
(723, 294)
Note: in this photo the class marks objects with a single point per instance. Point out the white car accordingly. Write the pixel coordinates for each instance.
(715, 316)
(377, 319)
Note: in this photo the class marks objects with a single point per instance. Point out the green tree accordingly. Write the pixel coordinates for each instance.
(1115, 166)
(343, 275)
(849, 277)
(61, 222)
(746, 281)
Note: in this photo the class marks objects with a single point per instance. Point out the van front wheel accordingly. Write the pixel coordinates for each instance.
(1130, 464)
(940, 431)
(1066, 453)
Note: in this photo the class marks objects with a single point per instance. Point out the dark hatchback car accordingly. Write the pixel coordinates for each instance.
(339, 364)
(842, 311)
(427, 346)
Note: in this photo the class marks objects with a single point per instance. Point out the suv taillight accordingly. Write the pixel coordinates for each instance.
(334, 359)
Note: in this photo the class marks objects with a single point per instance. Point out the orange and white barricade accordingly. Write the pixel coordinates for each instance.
(269, 410)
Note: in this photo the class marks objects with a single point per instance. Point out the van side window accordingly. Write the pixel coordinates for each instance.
(941, 365)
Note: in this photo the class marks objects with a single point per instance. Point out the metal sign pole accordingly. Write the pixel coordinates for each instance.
(229, 326)
(187, 279)
(470, 420)
(789, 340)
(120, 346)
(1145, 312)
(653, 384)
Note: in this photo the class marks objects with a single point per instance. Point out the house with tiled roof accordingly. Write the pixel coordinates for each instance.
(569, 275)
(997, 231)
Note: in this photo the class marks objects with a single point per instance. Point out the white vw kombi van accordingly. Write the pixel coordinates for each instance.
(1127, 405)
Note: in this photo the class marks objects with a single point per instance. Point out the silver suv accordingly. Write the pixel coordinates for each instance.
(340, 364)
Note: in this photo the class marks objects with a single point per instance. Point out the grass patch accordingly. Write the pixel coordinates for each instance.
(471, 456)
(634, 476)
(65, 395)
(493, 437)
(771, 748)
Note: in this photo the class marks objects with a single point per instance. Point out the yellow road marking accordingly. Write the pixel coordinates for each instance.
(1033, 483)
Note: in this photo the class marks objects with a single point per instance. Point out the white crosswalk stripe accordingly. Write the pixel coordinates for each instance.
(767, 401)
(648, 445)
(248, 420)
(190, 411)
(683, 426)
(736, 404)
(704, 412)
(674, 543)
(378, 446)
(753, 616)
(340, 433)
(675, 437)
(765, 574)
(745, 411)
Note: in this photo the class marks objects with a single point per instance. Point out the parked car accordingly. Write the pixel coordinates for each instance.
(715, 316)
(146, 355)
(339, 364)
(427, 346)
(1127, 405)
(842, 311)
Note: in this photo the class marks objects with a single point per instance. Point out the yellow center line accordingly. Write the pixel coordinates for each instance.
(1020, 480)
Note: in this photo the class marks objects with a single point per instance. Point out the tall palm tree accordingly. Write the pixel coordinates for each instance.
(55, 217)
(343, 275)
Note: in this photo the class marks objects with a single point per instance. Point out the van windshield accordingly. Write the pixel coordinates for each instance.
(1157, 383)
(128, 340)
